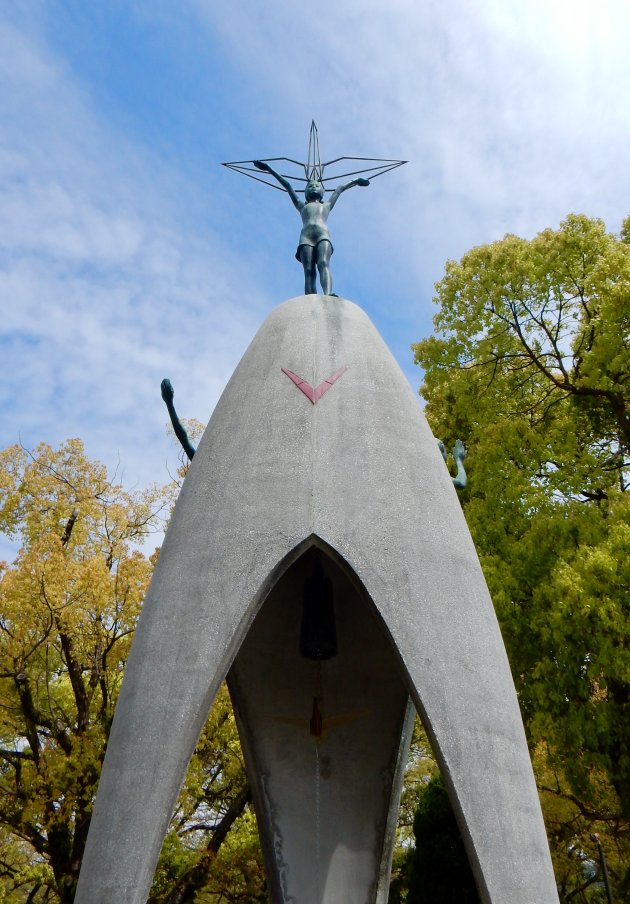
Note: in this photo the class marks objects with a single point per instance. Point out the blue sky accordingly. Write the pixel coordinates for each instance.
(128, 253)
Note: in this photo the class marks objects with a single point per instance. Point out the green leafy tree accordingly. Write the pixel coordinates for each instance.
(530, 366)
(212, 852)
(68, 607)
(438, 866)
(421, 767)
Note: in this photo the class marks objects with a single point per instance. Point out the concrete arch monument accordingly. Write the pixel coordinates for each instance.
(318, 457)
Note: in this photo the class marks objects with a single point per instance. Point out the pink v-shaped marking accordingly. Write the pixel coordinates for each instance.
(314, 395)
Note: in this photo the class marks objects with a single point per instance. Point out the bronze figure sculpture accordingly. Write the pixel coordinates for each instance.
(459, 454)
(315, 246)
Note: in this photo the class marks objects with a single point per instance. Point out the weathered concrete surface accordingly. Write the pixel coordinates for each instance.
(361, 473)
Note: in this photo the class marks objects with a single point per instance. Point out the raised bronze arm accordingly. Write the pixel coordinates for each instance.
(265, 168)
(335, 195)
(168, 393)
(459, 454)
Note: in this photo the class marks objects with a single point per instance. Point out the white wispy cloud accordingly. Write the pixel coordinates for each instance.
(512, 115)
(105, 285)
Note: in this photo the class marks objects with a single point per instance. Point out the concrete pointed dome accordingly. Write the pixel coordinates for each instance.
(318, 440)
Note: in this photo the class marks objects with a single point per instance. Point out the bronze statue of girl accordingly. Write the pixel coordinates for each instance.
(314, 247)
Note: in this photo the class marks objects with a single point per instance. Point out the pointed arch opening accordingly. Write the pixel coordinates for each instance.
(322, 708)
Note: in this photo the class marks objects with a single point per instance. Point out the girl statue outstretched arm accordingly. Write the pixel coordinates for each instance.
(265, 168)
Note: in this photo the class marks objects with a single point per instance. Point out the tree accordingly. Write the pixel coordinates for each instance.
(68, 604)
(438, 867)
(421, 767)
(530, 366)
(68, 608)
(212, 852)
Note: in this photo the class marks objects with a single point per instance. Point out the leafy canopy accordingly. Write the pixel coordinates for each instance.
(68, 608)
(530, 366)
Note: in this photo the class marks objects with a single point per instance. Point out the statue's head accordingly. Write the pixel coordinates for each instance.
(314, 190)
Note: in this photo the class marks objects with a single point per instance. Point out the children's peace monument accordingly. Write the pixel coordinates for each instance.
(318, 559)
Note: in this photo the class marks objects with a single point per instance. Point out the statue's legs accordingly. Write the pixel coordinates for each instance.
(307, 256)
(324, 251)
